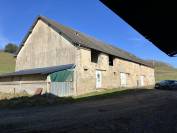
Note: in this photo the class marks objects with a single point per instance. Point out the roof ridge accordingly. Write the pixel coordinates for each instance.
(89, 41)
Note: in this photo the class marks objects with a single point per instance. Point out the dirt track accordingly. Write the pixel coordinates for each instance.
(146, 112)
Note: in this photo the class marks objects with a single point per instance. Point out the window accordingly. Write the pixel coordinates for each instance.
(124, 79)
(111, 59)
(94, 56)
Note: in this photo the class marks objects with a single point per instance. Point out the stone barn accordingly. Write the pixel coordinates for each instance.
(66, 62)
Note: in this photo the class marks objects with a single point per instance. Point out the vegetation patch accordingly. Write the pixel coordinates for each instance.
(164, 71)
(7, 62)
(25, 100)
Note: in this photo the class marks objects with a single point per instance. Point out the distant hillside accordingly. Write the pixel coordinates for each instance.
(7, 62)
(164, 71)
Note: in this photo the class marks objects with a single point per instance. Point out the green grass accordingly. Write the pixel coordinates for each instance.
(7, 62)
(108, 92)
(165, 72)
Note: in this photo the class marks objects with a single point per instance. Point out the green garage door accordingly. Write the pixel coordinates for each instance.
(62, 83)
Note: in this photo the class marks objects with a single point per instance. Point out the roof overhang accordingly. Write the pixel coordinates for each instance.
(155, 20)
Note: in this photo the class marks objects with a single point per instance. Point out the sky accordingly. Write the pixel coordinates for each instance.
(88, 16)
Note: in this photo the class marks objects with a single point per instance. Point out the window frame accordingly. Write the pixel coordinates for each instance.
(94, 56)
(111, 60)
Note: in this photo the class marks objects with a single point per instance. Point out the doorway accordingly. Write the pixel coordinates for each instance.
(123, 79)
(142, 80)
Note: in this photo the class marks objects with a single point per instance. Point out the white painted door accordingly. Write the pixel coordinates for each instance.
(123, 79)
(98, 79)
(142, 80)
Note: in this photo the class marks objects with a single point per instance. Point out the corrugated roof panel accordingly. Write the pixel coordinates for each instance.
(43, 71)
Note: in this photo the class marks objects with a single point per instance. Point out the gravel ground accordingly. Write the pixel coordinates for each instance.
(146, 112)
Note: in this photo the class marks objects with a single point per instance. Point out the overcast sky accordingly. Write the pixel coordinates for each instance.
(88, 16)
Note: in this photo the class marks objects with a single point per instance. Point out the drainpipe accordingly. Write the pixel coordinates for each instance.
(76, 71)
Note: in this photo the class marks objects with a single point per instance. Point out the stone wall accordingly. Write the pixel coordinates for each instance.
(86, 72)
(20, 84)
(43, 48)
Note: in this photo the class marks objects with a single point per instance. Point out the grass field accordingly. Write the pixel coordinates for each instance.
(162, 70)
(7, 62)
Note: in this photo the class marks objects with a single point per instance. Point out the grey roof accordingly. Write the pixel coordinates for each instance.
(42, 71)
(83, 40)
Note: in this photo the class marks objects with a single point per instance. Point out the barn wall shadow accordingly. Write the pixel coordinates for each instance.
(51, 100)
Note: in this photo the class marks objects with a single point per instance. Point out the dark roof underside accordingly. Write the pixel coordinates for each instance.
(83, 40)
(42, 71)
(155, 20)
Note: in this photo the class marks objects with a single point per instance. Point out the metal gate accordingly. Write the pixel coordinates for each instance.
(62, 89)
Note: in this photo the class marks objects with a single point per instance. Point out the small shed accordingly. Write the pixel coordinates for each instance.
(57, 80)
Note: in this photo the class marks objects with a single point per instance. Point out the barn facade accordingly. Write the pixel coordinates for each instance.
(65, 62)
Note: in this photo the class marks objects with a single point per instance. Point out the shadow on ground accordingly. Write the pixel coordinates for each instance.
(128, 111)
(50, 100)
